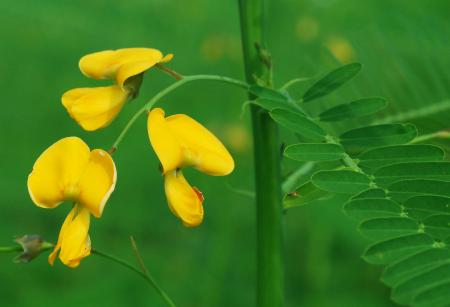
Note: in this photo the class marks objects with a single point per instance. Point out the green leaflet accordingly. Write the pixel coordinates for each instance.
(367, 208)
(267, 93)
(314, 152)
(269, 105)
(358, 139)
(303, 195)
(421, 186)
(342, 181)
(331, 81)
(371, 193)
(357, 108)
(388, 227)
(438, 226)
(415, 264)
(405, 292)
(438, 295)
(400, 193)
(401, 197)
(439, 170)
(392, 250)
(374, 159)
(423, 206)
(298, 124)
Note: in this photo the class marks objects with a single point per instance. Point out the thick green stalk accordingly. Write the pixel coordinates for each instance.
(270, 278)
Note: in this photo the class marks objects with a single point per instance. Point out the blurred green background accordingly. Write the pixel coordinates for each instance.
(405, 51)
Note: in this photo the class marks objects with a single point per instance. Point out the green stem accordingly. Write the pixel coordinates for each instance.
(346, 159)
(169, 71)
(292, 82)
(270, 274)
(148, 276)
(145, 276)
(17, 248)
(10, 249)
(166, 91)
(443, 134)
(427, 111)
(290, 183)
(47, 246)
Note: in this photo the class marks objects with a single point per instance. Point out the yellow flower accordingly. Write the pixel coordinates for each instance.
(69, 171)
(95, 108)
(121, 64)
(180, 141)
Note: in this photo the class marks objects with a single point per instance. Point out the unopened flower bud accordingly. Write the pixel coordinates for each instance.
(32, 246)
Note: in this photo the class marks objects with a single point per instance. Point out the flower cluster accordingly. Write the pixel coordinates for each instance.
(96, 107)
(69, 171)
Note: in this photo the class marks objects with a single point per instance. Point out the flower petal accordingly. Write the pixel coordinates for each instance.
(120, 64)
(75, 241)
(167, 58)
(67, 221)
(94, 108)
(164, 142)
(132, 69)
(56, 172)
(99, 65)
(98, 182)
(201, 148)
(184, 201)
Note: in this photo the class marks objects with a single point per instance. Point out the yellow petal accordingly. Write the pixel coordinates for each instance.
(167, 58)
(56, 172)
(120, 64)
(201, 148)
(132, 69)
(164, 142)
(184, 201)
(75, 241)
(94, 108)
(98, 182)
(179, 140)
(99, 65)
(67, 221)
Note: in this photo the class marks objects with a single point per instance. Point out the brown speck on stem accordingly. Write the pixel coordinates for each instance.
(294, 194)
(169, 71)
(112, 150)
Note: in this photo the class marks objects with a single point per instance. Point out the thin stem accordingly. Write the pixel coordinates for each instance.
(166, 91)
(428, 110)
(443, 134)
(243, 192)
(144, 275)
(47, 246)
(10, 249)
(269, 206)
(290, 183)
(346, 159)
(17, 248)
(118, 260)
(138, 255)
(169, 71)
(292, 82)
(149, 278)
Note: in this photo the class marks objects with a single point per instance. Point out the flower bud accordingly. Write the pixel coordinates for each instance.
(32, 246)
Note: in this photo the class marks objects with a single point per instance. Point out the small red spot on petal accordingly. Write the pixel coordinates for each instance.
(199, 194)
